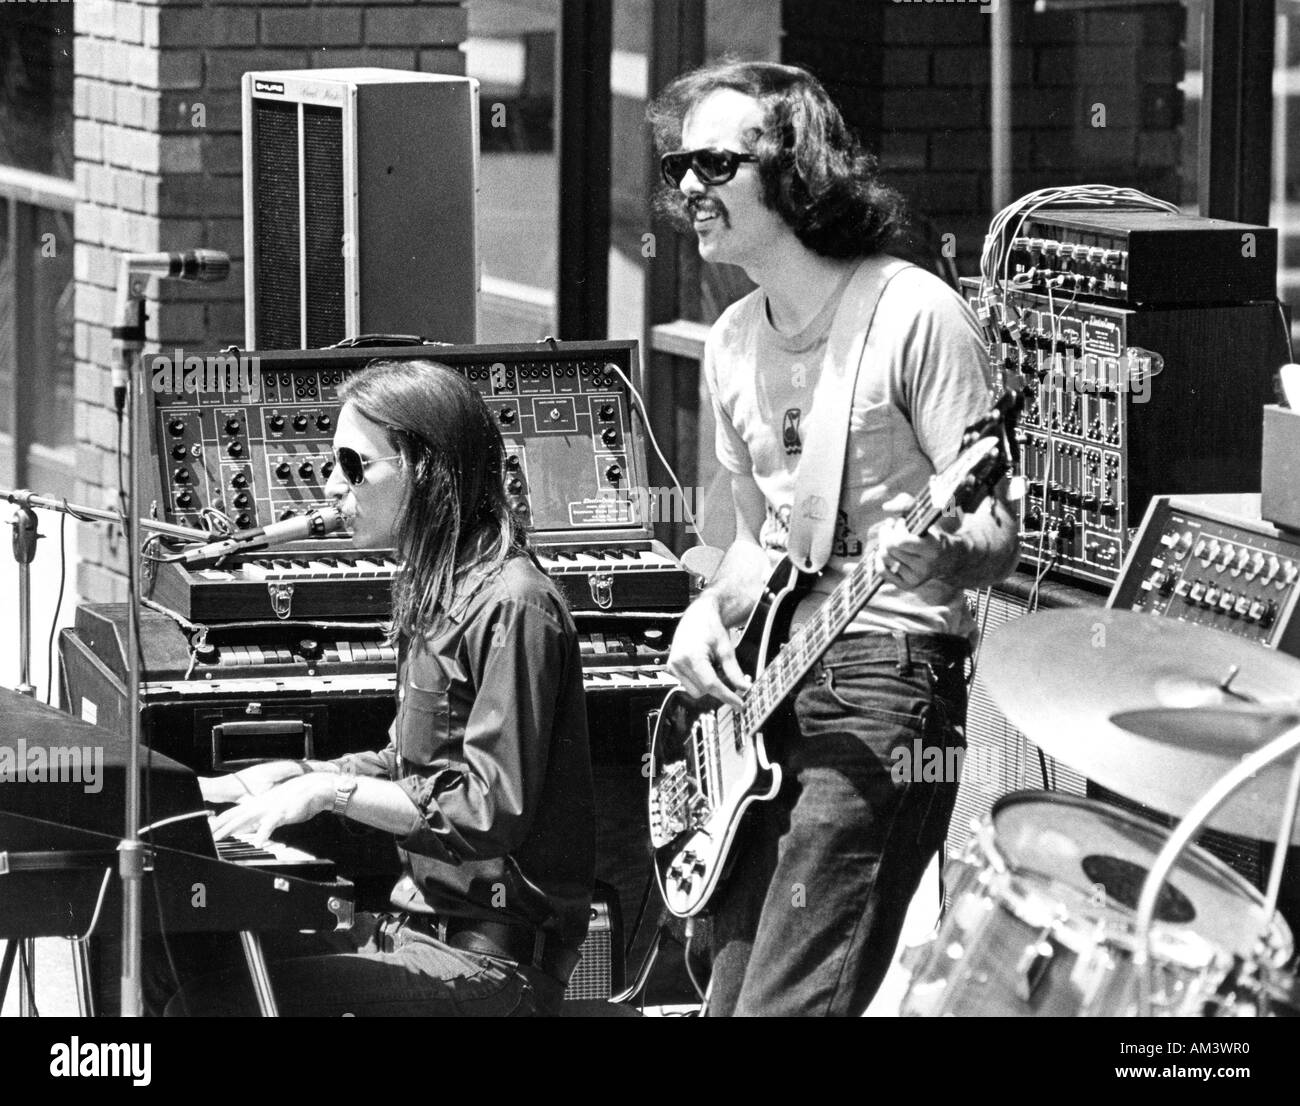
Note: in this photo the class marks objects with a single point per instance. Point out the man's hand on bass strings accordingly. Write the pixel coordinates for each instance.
(703, 660)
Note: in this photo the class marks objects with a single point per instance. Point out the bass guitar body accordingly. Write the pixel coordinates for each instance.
(706, 766)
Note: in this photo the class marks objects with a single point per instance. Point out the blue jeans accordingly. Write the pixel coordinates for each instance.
(398, 971)
(810, 915)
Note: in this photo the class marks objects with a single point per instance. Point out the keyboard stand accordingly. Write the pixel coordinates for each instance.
(258, 974)
(94, 860)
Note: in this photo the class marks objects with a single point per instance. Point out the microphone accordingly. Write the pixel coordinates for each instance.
(201, 265)
(314, 524)
(133, 271)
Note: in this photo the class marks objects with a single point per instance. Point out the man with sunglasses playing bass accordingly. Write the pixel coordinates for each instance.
(763, 169)
(486, 781)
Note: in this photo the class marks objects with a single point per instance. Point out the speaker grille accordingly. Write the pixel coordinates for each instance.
(322, 149)
(999, 758)
(276, 257)
(600, 971)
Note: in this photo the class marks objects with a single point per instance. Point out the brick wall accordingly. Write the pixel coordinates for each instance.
(913, 79)
(157, 138)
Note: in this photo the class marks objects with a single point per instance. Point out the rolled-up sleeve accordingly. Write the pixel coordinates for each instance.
(376, 763)
(482, 804)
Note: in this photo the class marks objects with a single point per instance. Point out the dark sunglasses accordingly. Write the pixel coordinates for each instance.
(710, 166)
(353, 466)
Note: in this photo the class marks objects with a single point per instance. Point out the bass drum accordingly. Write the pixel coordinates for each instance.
(1044, 902)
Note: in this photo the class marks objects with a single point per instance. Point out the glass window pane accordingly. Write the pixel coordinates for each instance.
(36, 88)
(1285, 214)
(511, 51)
(749, 30)
(629, 137)
(48, 362)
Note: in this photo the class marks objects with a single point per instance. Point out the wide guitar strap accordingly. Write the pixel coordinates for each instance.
(826, 429)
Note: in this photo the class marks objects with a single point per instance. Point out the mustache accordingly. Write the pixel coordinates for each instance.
(679, 211)
(700, 206)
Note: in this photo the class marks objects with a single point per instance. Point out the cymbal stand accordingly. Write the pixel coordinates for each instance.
(1284, 744)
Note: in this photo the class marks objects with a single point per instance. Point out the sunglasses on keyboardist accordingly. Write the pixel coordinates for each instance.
(353, 465)
(711, 166)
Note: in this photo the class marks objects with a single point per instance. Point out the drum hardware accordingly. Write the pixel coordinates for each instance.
(1246, 772)
(1043, 919)
(1033, 964)
(1073, 916)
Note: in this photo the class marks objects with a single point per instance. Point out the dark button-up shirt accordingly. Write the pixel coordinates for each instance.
(490, 743)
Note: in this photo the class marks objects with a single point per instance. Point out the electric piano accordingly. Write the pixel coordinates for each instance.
(62, 813)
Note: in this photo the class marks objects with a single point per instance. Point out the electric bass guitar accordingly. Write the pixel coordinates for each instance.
(708, 765)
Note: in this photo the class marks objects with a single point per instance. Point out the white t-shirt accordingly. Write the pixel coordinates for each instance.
(923, 380)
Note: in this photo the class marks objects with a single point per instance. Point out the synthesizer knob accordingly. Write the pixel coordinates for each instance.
(614, 473)
(241, 500)
(506, 415)
(287, 514)
(236, 449)
(515, 486)
(512, 463)
(323, 422)
(309, 649)
(609, 435)
(277, 422)
(178, 452)
(176, 427)
(306, 470)
(606, 412)
(326, 469)
(283, 470)
(181, 476)
(184, 500)
(244, 521)
(232, 426)
(239, 480)
(300, 422)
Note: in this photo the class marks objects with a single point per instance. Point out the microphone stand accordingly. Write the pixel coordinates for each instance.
(133, 274)
(130, 334)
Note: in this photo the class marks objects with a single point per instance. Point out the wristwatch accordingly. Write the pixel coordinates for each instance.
(343, 794)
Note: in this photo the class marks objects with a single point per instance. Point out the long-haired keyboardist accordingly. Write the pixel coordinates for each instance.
(486, 781)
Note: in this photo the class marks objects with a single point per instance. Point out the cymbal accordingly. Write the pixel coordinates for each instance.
(1062, 676)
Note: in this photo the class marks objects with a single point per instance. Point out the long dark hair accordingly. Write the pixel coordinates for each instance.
(813, 170)
(454, 516)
